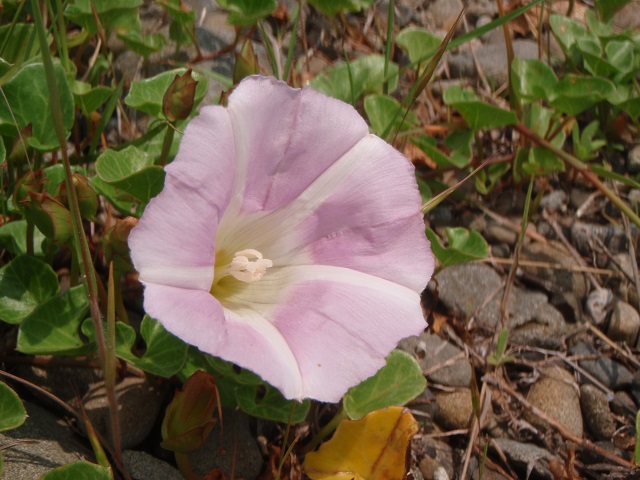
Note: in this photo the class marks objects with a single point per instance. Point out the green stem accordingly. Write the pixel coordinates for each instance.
(389, 46)
(30, 232)
(13, 24)
(325, 431)
(584, 169)
(166, 145)
(81, 244)
(62, 36)
(110, 358)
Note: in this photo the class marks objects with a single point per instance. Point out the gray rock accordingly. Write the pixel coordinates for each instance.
(436, 454)
(526, 457)
(555, 201)
(597, 304)
(41, 444)
(628, 17)
(556, 394)
(496, 233)
(66, 383)
(596, 413)
(431, 351)
(444, 12)
(454, 409)
(614, 237)
(610, 373)
(475, 290)
(235, 450)
(624, 324)
(623, 404)
(466, 290)
(633, 159)
(134, 395)
(492, 58)
(143, 466)
(556, 279)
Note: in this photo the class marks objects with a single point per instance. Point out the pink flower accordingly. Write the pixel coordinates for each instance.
(287, 240)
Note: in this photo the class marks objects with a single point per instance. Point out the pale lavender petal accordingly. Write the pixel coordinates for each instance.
(324, 328)
(362, 213)
(194, 316)
(174, 241)
(285, 138)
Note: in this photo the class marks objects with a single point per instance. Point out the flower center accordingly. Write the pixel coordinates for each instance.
(247, 266)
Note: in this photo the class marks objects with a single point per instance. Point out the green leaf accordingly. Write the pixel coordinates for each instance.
(119, 15)
(247, 12)
(538, 161)
(487, 178)
(459, 142)
(21, 44)
(429, 146)
(532, 79)
(28, 97)
(267, 402)
(122, 201)
(420, 44)
(498, 358)
(574, 93)
(77, 470)
(464, 246)
(25, 283)
(13, 238)
(53, 328)
(132, 171)
(398, 382)
(164, 354)
(89, 99)
(367, 76)
(477, 113)
(146, 95)
(333, 7)
(567, 32)
(12, 412)
(383, 110)
(143, 45)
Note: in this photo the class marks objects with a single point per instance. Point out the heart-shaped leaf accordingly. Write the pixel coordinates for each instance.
(53, 328)
(398, 382)
(25, 282)
(12, 412)
(464, 246)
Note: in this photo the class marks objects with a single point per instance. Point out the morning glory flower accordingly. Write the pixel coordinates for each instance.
(287, 240)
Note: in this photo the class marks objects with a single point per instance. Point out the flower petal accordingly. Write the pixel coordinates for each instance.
(363, 213)
(174, 241)
(278, 159)
(194, 316)
(335, 325)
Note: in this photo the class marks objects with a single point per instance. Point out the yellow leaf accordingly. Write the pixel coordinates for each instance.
(372, 448)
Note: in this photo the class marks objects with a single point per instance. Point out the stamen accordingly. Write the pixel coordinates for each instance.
(248, 266)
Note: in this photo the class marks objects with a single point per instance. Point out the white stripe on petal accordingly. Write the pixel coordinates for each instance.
(197, 278)
(273, 233)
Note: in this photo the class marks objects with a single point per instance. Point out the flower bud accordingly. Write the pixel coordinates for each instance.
(189, 417)
(246, 62)
(115, 246)
(51, 217)
(177, 102)
(87, 196)
(32, 181)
